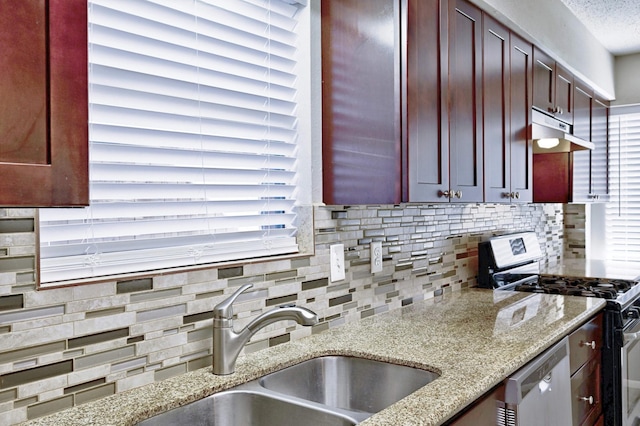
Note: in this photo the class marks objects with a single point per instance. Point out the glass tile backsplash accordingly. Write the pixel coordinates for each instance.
(67, 346)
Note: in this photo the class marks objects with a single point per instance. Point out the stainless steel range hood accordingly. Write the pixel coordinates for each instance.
(556, 134)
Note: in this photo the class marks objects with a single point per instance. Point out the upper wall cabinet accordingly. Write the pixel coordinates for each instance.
(430, 101)
(507, 94)
(428, 143)
(444, 101)
(582, 128)
(552, 87)
(464, 96)
(599, 164)
(579, 176)
(590, 168)
(43, 85)
(361, 133)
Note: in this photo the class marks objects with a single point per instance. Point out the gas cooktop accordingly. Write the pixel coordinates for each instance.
(577, 286)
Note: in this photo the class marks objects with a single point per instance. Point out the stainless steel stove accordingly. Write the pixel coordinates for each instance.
(512, 263)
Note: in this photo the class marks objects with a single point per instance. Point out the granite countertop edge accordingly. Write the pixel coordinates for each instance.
(459, 336)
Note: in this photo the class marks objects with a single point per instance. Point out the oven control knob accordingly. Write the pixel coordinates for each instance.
(632, 312)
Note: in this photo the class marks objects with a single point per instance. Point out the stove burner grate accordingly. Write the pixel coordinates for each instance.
(572, 286)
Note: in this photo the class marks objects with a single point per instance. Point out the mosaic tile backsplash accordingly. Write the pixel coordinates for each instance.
(66, 346)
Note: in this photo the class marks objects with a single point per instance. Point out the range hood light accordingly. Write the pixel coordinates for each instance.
(545, 128)
(548, 143)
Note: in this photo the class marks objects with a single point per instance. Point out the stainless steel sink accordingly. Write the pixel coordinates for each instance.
(350, 383)
(332, 390)
(245, 407)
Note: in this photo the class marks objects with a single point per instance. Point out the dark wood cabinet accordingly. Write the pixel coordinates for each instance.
(444, 101)
(464, 97)
(544, 82)
(43, 84)
(581, 161)
(427, 161)
(579, 176)
(507, 98)
(585, 362)
(564, 94)
(552, 87)
(361, 126)
(600, 155)
(439, 108)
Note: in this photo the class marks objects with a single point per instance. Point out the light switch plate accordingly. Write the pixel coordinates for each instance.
(376, 256)
(337, 262)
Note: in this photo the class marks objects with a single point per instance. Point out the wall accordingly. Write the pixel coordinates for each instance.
(551, 25)
(66, 346)
(627, 69)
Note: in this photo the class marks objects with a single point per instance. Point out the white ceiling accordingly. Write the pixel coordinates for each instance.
(616, 23)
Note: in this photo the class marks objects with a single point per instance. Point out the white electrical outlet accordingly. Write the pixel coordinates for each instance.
(337, 262)
(376, 256)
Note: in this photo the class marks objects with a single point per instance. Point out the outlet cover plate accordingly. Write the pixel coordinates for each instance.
(376, 256)
(337, 262)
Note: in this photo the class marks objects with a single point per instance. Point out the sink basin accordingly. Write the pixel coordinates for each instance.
(350, 383)
(242, 408)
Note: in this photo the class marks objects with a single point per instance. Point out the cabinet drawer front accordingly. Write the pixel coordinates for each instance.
(584, 343)
(585, 390)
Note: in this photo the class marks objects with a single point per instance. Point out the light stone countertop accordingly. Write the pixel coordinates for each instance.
(474, 338)
(594, 268)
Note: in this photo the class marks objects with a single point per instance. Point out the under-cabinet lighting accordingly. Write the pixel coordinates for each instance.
(548, 143)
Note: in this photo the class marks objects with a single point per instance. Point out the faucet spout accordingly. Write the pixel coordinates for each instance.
(302, 316)
(227, 343)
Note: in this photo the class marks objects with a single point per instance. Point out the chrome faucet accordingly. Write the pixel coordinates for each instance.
(227, 344)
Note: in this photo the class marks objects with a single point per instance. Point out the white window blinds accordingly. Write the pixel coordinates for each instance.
(623, 212)
(193, 139)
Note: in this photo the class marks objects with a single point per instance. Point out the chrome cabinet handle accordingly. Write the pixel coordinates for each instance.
(588, 399)
(591, 344)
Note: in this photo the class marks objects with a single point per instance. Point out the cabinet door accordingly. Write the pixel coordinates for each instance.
(544, 77)
(552, 178)
(465, 101)
(564, 95)
(43, 85)
(496, 98)
(361, 131)
(600, 154)
(521, 94)
(428, 159)
(581, 178)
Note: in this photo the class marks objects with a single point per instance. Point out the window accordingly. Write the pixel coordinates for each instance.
(623, 212)
(195, 139)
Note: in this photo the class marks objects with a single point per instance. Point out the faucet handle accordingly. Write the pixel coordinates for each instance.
(224, 309)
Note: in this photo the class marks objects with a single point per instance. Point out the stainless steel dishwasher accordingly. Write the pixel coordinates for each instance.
(540, 392)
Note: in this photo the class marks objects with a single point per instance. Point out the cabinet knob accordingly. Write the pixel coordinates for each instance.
(458, 194)
(588, 399)
(517, 195)
(591, 344)
(446, 194)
